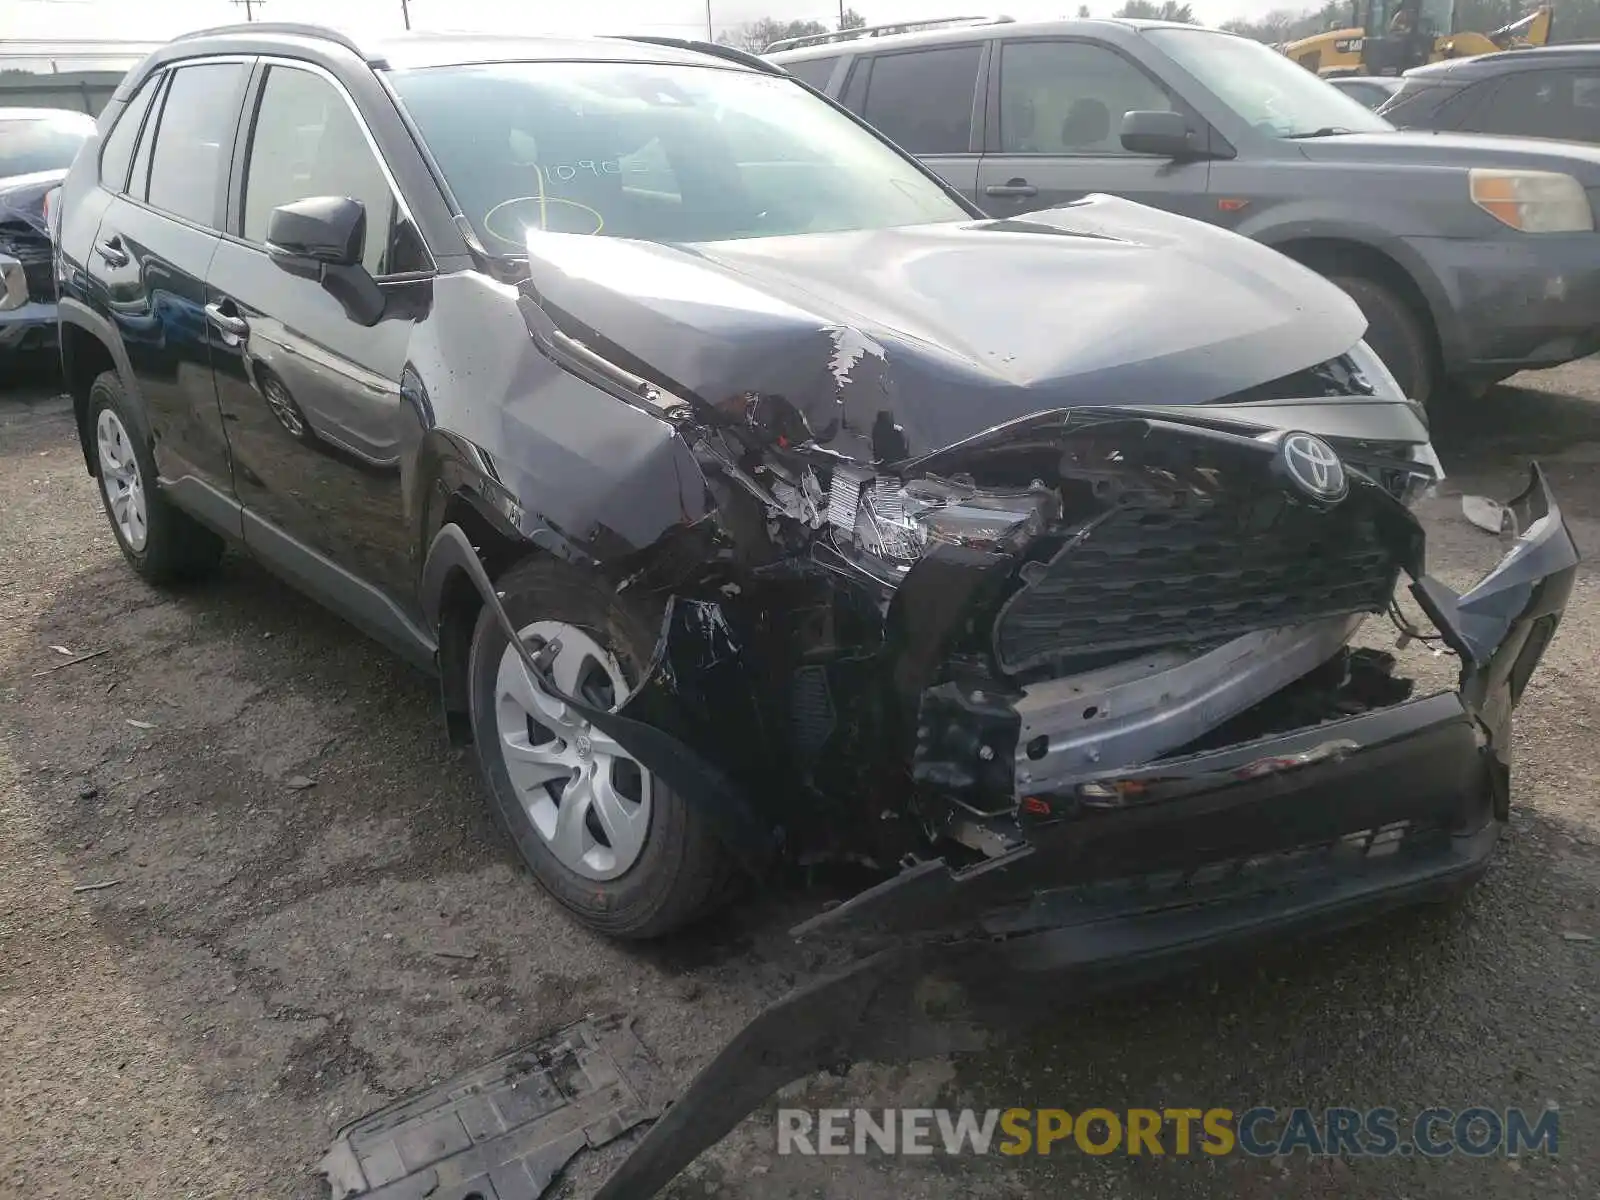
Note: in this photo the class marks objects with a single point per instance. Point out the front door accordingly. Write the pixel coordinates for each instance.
(1054, 132)
(310, 396)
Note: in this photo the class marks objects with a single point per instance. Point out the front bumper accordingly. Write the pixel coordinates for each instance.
(1517, 302)
(28, 327)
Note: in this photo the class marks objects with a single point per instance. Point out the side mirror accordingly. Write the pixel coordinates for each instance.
(1162, 133)
(324, 229)
(322, 238)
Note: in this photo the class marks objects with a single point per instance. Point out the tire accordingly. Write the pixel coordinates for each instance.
(1395, 333)
(164, 545)
(678, 869)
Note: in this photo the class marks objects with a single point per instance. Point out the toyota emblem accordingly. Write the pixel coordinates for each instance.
(1314, 467)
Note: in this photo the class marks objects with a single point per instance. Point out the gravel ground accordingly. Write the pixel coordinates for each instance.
(274, 961)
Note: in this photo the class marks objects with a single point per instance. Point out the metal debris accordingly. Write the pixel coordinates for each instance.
(140, 724)
(299, 782)
(97, 887)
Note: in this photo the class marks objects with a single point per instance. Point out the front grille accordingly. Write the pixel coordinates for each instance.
(1201, 572)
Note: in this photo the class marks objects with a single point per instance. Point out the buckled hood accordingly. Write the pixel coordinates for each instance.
(947, 330)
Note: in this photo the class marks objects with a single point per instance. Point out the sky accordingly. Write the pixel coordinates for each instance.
(158, 19)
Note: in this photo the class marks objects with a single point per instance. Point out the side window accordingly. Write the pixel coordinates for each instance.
(815, 71)
(116, 153)
(306, 142)
(922, 99)
(194, 141)
(1070, 97)
(1553, 104)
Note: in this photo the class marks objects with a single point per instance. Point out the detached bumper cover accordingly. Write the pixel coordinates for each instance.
(1145, 870)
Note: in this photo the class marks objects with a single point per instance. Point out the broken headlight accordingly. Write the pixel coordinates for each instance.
(898, 521)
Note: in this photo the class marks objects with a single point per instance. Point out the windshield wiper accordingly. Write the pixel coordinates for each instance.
(1325, 131)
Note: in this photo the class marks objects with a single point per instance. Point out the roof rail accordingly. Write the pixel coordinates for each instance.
(290, 28)
(716, 49)
(860, 31)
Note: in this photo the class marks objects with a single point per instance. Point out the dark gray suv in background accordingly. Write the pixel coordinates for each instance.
(1471, 257)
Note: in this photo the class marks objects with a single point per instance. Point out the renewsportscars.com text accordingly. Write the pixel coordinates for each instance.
(1259, 1132)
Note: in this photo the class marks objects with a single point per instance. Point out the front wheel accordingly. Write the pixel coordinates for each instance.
(1395, 333)
(621, 850)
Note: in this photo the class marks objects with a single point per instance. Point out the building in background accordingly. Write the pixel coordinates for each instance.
(78, 75)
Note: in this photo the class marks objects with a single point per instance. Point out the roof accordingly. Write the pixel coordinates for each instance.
(1529, 59)
(425, 49)
(1114, 26)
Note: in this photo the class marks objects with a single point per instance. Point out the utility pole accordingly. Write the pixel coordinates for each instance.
(405, 13)
(249, 7)
(710, 37)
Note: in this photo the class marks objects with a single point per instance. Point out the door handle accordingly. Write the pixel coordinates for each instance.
(1016, 187)
(232, 326)
(111, 250)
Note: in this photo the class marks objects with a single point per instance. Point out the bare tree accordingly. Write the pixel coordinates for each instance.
(756, 36)
(1167, 10)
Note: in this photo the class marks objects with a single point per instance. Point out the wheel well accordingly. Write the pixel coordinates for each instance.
(460, 604)
(1334, 256)
(84, 357)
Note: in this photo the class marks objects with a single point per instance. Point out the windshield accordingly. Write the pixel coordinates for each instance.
(1264, 88)
(660, 153)
(29, 144)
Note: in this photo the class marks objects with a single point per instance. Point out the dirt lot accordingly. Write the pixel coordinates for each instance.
(275, 960)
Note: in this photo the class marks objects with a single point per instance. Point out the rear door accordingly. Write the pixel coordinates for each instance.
(312, 397)
(148, 263)
(1054, 131)
(928, 102)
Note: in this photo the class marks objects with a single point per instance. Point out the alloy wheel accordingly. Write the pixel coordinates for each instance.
(120, 480)
(587, 797)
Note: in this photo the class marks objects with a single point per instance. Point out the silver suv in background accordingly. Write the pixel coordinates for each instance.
(1471, 257)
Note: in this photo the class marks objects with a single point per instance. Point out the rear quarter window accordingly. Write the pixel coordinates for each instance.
(116, 154)
(813, 71)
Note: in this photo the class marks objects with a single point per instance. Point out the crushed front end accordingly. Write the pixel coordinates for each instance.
(1142, 694)
(1139, 735)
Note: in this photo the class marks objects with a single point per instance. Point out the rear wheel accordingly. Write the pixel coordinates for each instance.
(615, 845)
(1395, 333)
(160, 541)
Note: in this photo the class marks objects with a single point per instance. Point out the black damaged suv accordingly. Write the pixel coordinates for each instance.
(755, 498)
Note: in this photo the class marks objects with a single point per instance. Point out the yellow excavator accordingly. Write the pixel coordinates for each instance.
(1389, 37)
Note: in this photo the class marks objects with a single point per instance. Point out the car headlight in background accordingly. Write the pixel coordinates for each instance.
(1533, 201)
(898, 522)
